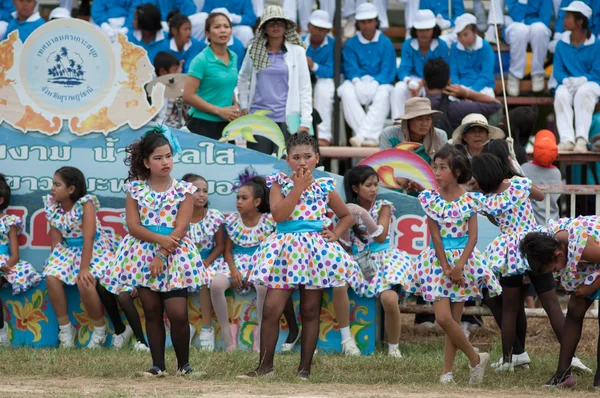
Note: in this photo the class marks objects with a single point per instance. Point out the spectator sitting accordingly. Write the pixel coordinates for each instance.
(147, 31)
(559, 29)
(541, 171)
(445, 17)
(303, 9)
(472, 58)
(166, 63)
(241, 15)
(182, 44)
(111, 15)
(474, 132)
(7, 7)
(59, 13)
(438, 87)
(530, 25)
(369, 64)
(165, 7)
(576, 70)
(423, 46)
(319, 56)
(25, 19)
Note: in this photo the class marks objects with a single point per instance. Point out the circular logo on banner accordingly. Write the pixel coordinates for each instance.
(67, 67)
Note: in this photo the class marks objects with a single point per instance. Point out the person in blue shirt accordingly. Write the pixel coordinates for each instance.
(185, 7)
(445, 13)
(423, 46)
(241, 14)
(234, 44)
(181, 43)
(111, 15)
(6, 9)
(319, 55)
(25, 19)
(594, 21)
(472, 58)
(147, 31)
(369, 65)
(530, 25)
(577, 70)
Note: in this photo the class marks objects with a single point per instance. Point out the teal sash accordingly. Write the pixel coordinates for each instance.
(237, 249)
(158, 229)
(78, 242)
(4, 250)
(374, 247)
(452, 243)
(299, 226)
(204, 253)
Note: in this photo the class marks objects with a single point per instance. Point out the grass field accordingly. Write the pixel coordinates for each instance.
(112, 373)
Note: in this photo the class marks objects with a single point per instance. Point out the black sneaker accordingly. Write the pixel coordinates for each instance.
(154, 371)
(184, 371)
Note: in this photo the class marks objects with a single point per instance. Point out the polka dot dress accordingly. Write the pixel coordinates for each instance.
(393, 263)
(23, 275)
(288, 260)
(426, 278)
(512, 212)
(64, 261)
(202, 234)
(132, 260)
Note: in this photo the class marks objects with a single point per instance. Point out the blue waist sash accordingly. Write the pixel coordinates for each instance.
(78, 242)
(204, 253)
(4, 250)
(237, 249)
(374, 247)
(299, 226)
(158, 229)
(452, 243)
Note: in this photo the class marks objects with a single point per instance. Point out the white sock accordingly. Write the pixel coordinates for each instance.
(392, 347)
(68, 326)
(100, 329)
(346, 335)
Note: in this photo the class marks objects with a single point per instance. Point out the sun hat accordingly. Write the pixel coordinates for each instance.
(424, 19)
(417, 106)
(545, 150)
(366, 11)
(580, 7)
(463, 21)
(476, 119)
(320, 19)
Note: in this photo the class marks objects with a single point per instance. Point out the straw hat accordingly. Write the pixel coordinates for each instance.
(417, 106)
(476, 119)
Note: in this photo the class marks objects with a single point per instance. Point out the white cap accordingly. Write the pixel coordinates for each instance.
(580, 7)
(366, 11)
(463, 21)
(59, 13)
(320, 19)
(424, 19)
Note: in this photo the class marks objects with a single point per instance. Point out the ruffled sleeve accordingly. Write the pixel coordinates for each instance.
(136, 189)
(513, 197)
(146, 197)
(277, 177)
(268, 224)
(441, 210)
(50, 207)
(326, 185)
(231, 223)
(214, 218)
(580, 229)
(11, 220)
(78, 207)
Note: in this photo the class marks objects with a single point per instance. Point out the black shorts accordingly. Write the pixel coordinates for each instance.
(541, 282)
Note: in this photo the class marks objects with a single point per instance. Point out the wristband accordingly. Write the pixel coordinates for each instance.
(162, 257)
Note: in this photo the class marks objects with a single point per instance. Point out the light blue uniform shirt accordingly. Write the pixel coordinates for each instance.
(473, 67)
(413, 61)
(375, 58)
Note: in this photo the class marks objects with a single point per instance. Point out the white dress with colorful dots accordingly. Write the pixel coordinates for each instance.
(65, 260)
(202, 235)
(512, 212)
(427, 277)
(246, 241)
(392, 262)
(132, 261)
(23, 275)
(287, 260)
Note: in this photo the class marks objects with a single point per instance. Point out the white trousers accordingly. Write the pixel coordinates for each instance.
(565, 103)
(496, 14)
(349, 9)
(323, 102)
(258, 6)
(518, 35)
(400, 94)
(242, 32)
(3, 28)
(368, 124)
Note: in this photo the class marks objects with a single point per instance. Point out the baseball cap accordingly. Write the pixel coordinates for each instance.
(424, 19)
(545, 150)
(463, 21)
(580, 7)
(320, 19)
(366, 11)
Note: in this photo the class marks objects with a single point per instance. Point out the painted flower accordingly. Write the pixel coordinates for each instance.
(86, 325)
(328, 320)
(29, 315)
(359, 325)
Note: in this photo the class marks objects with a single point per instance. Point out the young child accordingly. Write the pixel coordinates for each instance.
(206, 231)
(246, 230)
(571, 249)
(452, 221)
(156, 256)
(361, 184)
(147, 31)
(80, 252)
(302, 254)
(181, 43)
(25, 19)
(20, 274)
(165, 63)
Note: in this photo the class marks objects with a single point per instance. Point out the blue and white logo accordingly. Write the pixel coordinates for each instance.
(66, 69)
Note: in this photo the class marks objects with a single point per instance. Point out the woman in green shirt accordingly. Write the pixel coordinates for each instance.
(212, 77)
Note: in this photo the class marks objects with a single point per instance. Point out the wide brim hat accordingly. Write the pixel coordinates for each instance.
(416, 107)
(424, 19)
(476, 119)
(275, 12)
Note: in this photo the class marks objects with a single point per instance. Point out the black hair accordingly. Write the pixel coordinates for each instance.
(458, 162)
(437, 31)
(164, 60)
(436, 73)
(500, 149)
(357, 176)
(260, 190)
(4, 192)
(489, 171)
(539, 250)
(211, 18)
(358, 28)
(301, 138)
(148, 18)
(175, 20)
(141, 150)
(585, 25)
(73, 177)
(473, 27)
(191, 177)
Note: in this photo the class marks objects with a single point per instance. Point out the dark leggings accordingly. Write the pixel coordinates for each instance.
(290, 317)
(112, 309)
(1, 314)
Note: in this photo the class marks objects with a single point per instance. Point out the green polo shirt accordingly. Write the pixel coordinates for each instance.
(217, 81)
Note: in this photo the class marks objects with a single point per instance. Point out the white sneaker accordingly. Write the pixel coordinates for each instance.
(98, 339)
(505, 366)
(447, 378)
(521, 360)
(356, 141)
(580, 145)
(66, 338)
(538, 83)
(141, 347)
(192, 333)
(207, 339)
(288, 347)
(395, 353)
(578, 366)
(4, 340)
(350, 349)
(513, 88)
(566, 146)
(121, 340)
(477, 373)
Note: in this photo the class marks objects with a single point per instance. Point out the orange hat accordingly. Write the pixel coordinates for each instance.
(545, 150)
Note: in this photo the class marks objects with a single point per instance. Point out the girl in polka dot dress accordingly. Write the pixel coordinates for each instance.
(156, 256)
(361, 184)
(246, 230)
(570, 249)
(452, 271)
(20, 274)
(81, 252)
(206, 231)
(303, 253)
